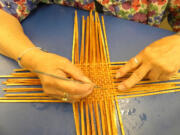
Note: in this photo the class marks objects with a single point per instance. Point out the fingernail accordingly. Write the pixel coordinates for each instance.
(121, 87)
(118, 75)
(89, 87)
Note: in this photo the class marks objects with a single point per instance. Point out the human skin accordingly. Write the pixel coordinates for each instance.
(13, 42)
(158, 61)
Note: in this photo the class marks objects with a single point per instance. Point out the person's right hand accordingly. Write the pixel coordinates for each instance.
(56, 65)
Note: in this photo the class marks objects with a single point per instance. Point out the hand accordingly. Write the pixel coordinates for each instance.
(158, 61)
(56, 65)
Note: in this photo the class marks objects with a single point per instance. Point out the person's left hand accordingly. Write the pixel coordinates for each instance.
(158, 61)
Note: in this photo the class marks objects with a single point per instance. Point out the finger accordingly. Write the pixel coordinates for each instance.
(70, 86)
(74, 88)
(129, 66)
(135, 77)
(59, 94)
(75, 73)
(154, 74)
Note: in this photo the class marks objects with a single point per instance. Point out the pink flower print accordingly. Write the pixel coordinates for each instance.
(126, 5)
(140, 17)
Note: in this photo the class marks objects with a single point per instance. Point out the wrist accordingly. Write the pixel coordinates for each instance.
(31, 59)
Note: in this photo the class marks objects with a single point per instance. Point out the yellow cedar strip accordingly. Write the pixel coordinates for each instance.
(148, 94)
(27, 95)
(155, 90)
(108, 117)
(76, 40)
(83, 130)
(10, 91)
(100, 45)
(102, 111)
(92, 119)
(76, 118)
(88, 128)
(24, 98)
(22, 89)
(96, 110)
(23, 80)
(31, 101)
(90, 37)
(120, 117)
(73, 46)
(93, 40)
(87, 41)
(119, 62)
(105, 38)
(20, 70)
(17, 84)
(7, 76)
(148, 88)
(82, 41)
(103, 44)
(28, 74)
(97, 39)
(113, 117)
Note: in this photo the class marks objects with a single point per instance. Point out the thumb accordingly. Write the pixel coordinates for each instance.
(76, 73)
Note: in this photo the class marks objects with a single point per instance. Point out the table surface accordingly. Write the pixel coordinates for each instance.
(51, 27)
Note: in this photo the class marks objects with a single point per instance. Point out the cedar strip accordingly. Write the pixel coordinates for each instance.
(87, 41)
(20, 70)
(82, 41)
(87, 119)
(88, 128)
(83, 130)
(113, 117)
(17, 84)
(10, 91)
(28, 74)
(102, 111)
(108, 118)
(120, 117)
(76, 40)
(7, 76)
(94, 41)
(27, 95)
(105, 39)
(32, 101)
(119, 62)
(92, 119)
(22, 89)
(24, 98)
(23, 80)
(76, 118)
(73, 46)
(97, 39)
(148, 94)
(90, 37)
(96, 110)
(101, 46)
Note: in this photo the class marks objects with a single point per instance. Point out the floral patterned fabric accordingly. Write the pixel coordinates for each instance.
(149, 12)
